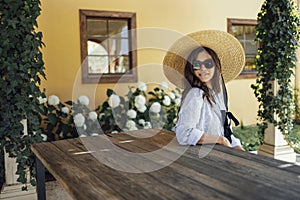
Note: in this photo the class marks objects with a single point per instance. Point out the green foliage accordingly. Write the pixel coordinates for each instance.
(278, 36)
(250, 136)
(21, 69)
(297, 105)
(2, 170)
(294, 138)
(57, 121)
(68, 119)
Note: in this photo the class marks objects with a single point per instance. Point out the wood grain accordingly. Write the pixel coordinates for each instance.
(107, 167)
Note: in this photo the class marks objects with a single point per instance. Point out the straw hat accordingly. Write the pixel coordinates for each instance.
(226, 46)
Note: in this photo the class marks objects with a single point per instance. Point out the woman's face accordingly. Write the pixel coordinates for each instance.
(204, 68)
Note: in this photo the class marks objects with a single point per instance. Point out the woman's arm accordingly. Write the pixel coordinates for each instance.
(212, 139)
(186, 129)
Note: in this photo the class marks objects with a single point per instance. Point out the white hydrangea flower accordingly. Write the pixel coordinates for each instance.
(65, 110)
(84, 100)
(82, 135)
(141, 108)
(44, 137)
(172, 95)
(139, 100)
(115, 132)
(167, 100)
(177, 101)
(133, 128)
(131, 114)
(79, 120)
(141, 121)
(130, 124)
(175, 120)
(147, 125)
(164, 85)
(93, 116)
(53, 100)
(142, 86)
(155, 107)
(114, 101)
(42, 100)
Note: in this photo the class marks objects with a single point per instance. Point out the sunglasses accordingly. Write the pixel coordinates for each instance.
(208, 63)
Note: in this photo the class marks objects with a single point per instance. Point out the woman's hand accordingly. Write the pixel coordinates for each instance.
(212, 139)
(239, 148)
(224, 141)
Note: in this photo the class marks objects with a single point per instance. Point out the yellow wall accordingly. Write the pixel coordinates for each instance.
(59, 22)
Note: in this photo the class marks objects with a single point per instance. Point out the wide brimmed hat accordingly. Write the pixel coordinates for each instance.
(226, 46)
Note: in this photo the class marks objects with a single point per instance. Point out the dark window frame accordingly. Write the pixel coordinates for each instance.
(108, 77)
(242, 22)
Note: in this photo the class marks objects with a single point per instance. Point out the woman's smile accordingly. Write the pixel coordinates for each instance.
(204, 74)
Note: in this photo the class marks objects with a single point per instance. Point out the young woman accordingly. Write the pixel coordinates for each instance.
(203, 110)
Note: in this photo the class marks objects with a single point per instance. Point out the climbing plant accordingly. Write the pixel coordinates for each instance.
(277, 34)
(21, 69)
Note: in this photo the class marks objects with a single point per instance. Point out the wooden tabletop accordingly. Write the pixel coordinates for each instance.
(136, 166)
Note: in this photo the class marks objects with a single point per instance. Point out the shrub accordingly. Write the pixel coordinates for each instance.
(137, 110)
(250, 136)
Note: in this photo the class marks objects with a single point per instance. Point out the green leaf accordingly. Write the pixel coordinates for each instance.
(70, 103)
(109, 92)
(52, 119)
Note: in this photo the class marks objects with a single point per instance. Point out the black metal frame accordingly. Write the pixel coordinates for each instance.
(40, 179)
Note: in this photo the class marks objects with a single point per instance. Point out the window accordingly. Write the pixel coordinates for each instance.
(108, 46)
(245, 30)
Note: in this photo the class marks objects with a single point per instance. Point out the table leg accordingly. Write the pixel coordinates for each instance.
(40, 179)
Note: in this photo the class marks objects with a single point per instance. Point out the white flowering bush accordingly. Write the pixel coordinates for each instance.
(137, 110)
(140, 110)
(68, 119)
(56, 118)
(164, 105)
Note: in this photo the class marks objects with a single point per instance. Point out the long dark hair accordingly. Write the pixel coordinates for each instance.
(191, 80)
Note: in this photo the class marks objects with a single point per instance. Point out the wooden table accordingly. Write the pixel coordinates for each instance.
(123, 166)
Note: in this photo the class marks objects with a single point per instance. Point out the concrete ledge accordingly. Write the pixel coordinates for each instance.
(14, 192)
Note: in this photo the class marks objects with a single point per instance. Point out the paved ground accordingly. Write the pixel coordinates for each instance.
(54, 191)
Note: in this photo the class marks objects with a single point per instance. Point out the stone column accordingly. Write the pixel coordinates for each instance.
(12, 189)
(11, 164)
(275, 145)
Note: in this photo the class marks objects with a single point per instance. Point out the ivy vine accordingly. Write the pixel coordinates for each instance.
(277, 33)
(21, 69)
